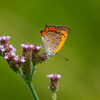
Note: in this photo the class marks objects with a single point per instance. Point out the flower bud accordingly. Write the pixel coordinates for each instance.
(36, 48)
(26, 68)
(38, 57)
(26, 50)
(54, 84)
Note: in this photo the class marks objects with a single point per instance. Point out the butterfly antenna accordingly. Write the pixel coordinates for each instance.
(63, 57)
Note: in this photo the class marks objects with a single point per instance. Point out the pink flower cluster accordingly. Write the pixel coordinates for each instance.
(33, 52)
(8, 51)
(27, 46)
(30, 53)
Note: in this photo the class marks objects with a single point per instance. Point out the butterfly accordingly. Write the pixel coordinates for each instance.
(54, 37)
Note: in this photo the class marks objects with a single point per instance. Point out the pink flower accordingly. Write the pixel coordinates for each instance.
(38, 47)
(52, 75)
(25, 46)
(4, 38)
(31, 46)
(6, 57)
(12, 53)
(16, 58)
(1, 46)
(3, 49)
(12, 48)
(23, 59)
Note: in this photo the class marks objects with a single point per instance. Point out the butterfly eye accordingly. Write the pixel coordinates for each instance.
(59, 37)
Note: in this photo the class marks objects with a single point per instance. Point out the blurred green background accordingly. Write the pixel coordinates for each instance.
(23, 20)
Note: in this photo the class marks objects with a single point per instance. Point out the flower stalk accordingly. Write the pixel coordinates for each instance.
(54, 84)
(31, 87)
(54, 95)
(33, 72)
(29, 84)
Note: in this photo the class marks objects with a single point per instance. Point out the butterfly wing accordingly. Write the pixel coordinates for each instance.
(54, 37)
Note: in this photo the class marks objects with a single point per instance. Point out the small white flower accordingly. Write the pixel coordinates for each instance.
(31, 46)
(16, 58)
(3, 49)
(52, 75)
(26, 46)
(8, 37)
(23, 45)
(38, 47)
(6, 57)
(23, 59)
(1, 46)
(4, 38)
(58, 76)
(12, 53)
(0, 38)
(12, 48)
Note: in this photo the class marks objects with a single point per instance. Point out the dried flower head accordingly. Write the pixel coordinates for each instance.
(54, 84)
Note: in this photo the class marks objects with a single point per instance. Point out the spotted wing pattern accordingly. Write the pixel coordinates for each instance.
(54, 37)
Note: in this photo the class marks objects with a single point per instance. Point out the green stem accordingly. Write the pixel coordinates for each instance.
(28, 82)
(22, 75)
(54, 96)
(33, 70)
(33, 91)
